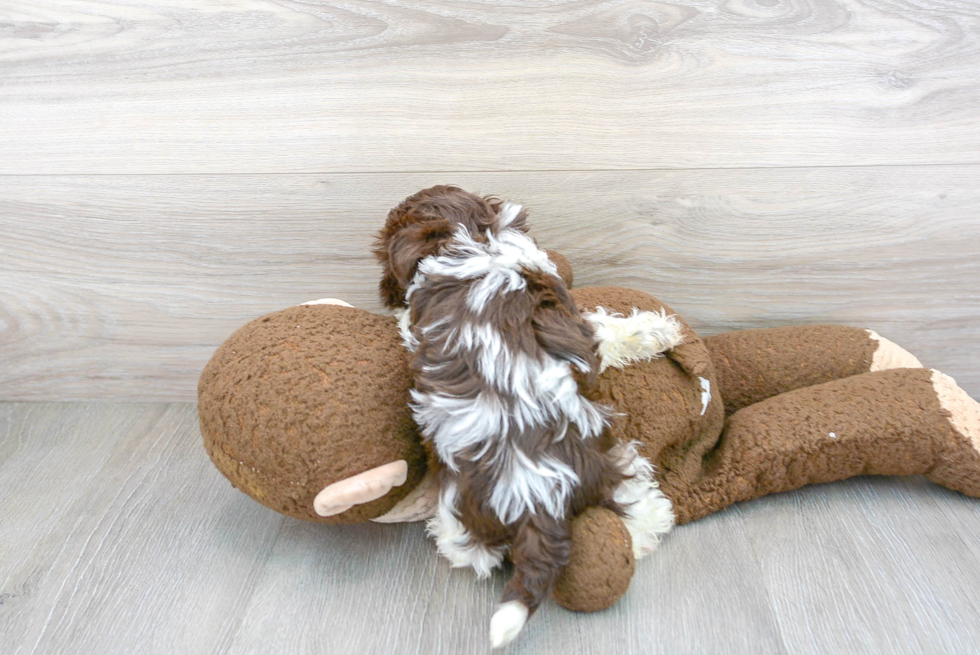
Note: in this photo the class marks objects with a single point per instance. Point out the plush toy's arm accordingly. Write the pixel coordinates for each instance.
(752, 365)
(896, 422)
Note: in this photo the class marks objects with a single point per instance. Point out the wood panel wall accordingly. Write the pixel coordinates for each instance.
(170, 170)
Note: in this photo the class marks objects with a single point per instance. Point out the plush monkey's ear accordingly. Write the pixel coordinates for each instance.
(406, 249)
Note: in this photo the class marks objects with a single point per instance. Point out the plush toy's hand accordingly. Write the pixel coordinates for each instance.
(601, 564)
(420, 503)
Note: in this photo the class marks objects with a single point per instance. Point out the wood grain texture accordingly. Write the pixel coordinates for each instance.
(267, 86)
(121, 286)
(144, 550)
(865, 578)
(172, 169)
(117, 536)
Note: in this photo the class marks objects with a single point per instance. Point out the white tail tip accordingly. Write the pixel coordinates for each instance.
(507, 622)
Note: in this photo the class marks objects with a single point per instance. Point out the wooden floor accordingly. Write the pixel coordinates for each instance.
(171, 169)
(118, 536)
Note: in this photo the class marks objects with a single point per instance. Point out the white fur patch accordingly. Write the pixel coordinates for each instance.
(508, 212)
(404, 317)
(641, 336)
(705, 394)
(455, 543)
(498, 263)
(455, 424)
(544, 393)
(507, 622)
(522, 483)
(649, 513)
(523, 392)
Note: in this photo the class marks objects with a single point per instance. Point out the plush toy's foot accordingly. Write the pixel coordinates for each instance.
(888, 355)
(601, 564)
(904, 421)
(958, 467)
(420, 503)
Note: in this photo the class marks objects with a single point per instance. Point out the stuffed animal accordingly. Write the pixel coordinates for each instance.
(306, 411)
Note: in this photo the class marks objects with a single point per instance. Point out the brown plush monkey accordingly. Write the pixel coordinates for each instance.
(306, 410)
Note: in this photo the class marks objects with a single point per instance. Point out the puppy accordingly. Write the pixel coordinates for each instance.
(500, 351)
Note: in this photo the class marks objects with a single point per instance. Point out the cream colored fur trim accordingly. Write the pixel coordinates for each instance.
(418, 505)
(890, 355)
(641, 336)
(329, 301)
(649, 513)
(964, 411)
(705, 394)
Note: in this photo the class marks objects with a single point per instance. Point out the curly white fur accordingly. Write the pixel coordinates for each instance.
(641, 336)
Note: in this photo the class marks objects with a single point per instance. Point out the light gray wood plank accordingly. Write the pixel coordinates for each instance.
(871, 566)
(120, 537)
(415, 85)
(156, 553)
(700, 592)
(345, 589)
(46, 466)
(120, 287)
(383, 589)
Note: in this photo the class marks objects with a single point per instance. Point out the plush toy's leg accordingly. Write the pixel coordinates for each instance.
(896, 422)
(752, 365)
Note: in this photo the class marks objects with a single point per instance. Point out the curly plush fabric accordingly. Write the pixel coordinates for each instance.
(601, 564)
(287, 408)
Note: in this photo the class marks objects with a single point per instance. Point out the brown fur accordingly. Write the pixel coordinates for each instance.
(420, 224)
(540, 322)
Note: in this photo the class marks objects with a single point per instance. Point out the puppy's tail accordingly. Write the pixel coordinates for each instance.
(540, 552)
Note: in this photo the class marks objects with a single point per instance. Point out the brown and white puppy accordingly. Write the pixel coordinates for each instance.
(500, 351)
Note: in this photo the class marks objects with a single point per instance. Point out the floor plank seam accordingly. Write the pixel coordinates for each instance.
(502, 171)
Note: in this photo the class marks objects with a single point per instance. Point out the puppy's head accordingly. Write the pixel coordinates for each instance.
(423, 223)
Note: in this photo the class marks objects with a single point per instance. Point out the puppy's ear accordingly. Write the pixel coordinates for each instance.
(406, 249)
(508, 215)
(558, 326)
